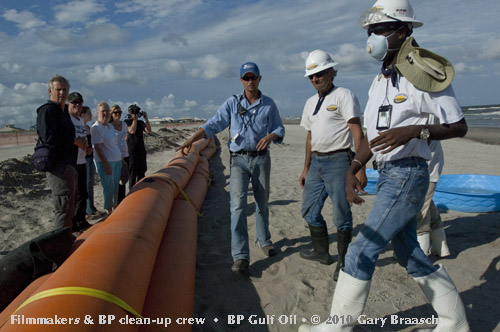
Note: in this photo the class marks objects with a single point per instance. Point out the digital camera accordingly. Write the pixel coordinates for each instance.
(136, 110)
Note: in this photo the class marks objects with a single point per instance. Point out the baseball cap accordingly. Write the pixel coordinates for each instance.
(74, 96)
(249, 67)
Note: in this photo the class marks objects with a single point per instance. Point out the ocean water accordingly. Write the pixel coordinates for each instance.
(482, 116)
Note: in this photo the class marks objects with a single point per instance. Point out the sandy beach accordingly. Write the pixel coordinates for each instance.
(285, 290)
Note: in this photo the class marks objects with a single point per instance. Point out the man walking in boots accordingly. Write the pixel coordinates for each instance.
(413, 85)
(332, 119)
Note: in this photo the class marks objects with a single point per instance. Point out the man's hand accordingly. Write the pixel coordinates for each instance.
(108, 168)
(352, 188)
(264, 142)
(81, 142)
(187, 144)
(389, 140)
(361, 177)
(302, 178)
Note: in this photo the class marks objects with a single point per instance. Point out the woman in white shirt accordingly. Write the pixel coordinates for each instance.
(121, 130)
(107, 155)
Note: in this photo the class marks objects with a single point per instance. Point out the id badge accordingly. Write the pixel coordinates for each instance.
(384, 117)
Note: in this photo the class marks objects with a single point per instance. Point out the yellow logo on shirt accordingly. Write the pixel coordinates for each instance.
(332, 108)
(400, 98)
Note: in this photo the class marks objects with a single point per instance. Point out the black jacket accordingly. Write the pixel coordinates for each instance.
(55, 128)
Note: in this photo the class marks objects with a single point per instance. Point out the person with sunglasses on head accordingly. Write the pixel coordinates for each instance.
(414, 85)
(254, 123)
(121, 131)
(75, 105)
(332, 118)
(54, 128)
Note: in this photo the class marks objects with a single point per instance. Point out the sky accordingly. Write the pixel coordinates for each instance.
(181, 58)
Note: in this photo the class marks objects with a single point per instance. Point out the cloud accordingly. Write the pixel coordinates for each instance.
(174, 66)
(107, 74)
(103, 34)
(77, 11)
(462, 67)
(24, 20)
(174, 39)
(157, 8)
(57, 36)
(293, 62)
(210, 67)
(12, 68)
(491, 49)
(19, 103)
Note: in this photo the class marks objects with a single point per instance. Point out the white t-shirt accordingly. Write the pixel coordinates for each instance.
(107, 136)
(80, 131)
(410, 106)
(329, 130)
(122, 142)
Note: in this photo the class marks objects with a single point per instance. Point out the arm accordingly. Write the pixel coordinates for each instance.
(307, 161)
(100, 153)
(199, 134)
(266, 140)
(148, 126)
(354, 125)
(352, 185)
(133, 126)
(392, 138)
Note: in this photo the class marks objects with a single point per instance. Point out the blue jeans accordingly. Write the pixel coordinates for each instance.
(90, 185)
(326, 177)
(110, 182)
(243, 169)
(401, 191)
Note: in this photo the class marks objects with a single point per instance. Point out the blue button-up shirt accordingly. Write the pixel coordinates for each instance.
(260, 119)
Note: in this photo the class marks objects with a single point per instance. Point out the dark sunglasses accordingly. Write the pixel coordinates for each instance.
(318, 75)
(117, 112)
(383, 28)
(249, 78)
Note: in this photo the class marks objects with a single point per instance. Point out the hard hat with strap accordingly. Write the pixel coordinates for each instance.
(384, 11)
(317, 61)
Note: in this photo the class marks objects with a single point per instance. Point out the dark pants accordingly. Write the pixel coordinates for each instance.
(81, 193)
(137, 168)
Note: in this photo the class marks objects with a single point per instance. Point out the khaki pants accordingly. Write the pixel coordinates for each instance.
(63, 182)
(428, 219)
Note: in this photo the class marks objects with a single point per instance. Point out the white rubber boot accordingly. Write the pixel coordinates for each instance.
(444, 298)
(424, 240)
(439, 246)
(348, 303)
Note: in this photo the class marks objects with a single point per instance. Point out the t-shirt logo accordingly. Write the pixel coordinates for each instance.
(400, 98)
(332, 108)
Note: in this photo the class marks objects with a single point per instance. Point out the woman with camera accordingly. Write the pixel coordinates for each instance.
(137, 150)
(121, 131)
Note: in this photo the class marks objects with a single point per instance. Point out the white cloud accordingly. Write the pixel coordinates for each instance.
(24, 20)
(174, 66)
(107, 74)
(157, 8)
(103, 34)
(12, 68)
(462, 67)
(491, 48)
(210, 67)
(18, 104)
(189, 104)
(57, 36)
(77, 11)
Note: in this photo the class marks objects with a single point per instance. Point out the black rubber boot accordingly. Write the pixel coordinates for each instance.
(320, 244)
(343, 240)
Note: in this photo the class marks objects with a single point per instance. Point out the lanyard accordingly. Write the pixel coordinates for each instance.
(322, 98)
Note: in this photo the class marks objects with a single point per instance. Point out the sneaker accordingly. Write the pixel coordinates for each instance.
(269, 250)
(240, 266)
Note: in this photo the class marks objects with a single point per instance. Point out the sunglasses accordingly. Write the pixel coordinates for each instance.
(117, 112)
(383, 28)
(77, 102)
(318, 75)
(249, 78)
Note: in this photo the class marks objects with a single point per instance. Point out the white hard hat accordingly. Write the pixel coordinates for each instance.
(317, 61)
(389, 11)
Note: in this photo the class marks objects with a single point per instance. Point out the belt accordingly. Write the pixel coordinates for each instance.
(249, 153)
(321, 154)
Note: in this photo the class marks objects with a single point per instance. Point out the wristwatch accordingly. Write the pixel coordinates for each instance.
(424, 133)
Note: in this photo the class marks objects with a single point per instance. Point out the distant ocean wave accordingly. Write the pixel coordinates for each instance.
(482, 116)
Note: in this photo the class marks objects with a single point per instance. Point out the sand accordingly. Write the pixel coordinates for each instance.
(284, 290)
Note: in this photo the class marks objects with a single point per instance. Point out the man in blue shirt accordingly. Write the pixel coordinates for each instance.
(254, 123)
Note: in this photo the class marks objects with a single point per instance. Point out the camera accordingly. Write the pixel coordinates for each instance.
(136, 110)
